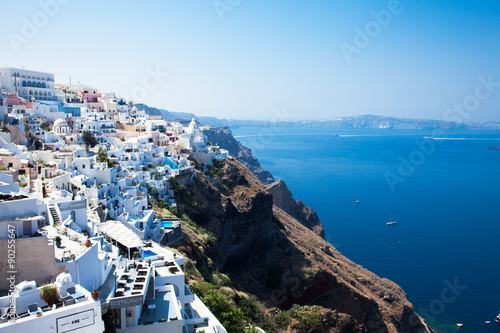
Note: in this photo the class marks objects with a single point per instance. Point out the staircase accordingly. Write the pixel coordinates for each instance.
(54, 214)
(150, 293)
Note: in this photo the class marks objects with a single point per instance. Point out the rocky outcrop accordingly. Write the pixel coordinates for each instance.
(236, 208)
(268, 253)
(282, 197)
(223, 137)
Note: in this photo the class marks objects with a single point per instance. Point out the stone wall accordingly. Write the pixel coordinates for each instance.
(34, 260)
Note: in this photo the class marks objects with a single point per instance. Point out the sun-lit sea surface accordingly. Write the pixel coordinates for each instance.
(447, 209)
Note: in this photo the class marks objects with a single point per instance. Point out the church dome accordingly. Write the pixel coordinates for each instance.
(60, 123)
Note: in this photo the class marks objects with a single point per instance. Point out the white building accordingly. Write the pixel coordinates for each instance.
(61, 127)
(29, 84)
(75, 311)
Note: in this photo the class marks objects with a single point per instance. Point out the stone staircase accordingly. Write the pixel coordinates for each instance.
(54, 214)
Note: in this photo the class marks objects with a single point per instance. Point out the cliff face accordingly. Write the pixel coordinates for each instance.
(236, 208)
(282, 198)
(268, 253)
(224, 138)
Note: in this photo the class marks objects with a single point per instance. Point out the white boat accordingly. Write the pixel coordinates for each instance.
(497, 318)
(391, 223)
(460, 325)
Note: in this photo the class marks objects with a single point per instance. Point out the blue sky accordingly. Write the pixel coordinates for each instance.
(269, 59)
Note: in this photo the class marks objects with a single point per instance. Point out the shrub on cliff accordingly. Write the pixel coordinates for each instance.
(216, 169)
(208, 236)
(230, 317)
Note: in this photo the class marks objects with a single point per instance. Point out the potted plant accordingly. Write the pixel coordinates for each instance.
(58, 240)
(95, 295)
(149, 262)
(49, 294)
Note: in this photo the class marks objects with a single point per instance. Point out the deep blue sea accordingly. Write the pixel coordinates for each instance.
(444, 194)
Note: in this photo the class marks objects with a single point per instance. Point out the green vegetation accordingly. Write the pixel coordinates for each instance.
(153, 193)
(50, 294)
(160, 203)
(216, 169)
(231, 317)
(182, 195)
(102, 156)
(195, 163)
(206, 235)
(173, 210)
(89, 140)
(236, 310)
(308, 316)
(174, 183)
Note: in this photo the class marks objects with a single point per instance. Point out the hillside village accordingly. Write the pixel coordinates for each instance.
(80, 173)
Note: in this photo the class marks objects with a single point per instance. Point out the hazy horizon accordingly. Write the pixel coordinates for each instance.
(257, 60)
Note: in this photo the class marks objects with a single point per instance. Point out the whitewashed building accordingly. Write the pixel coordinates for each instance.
(29, 84)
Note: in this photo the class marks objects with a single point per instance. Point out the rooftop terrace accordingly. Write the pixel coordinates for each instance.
(72, 243)
(133, 281)
(11, 197)
(163, 307)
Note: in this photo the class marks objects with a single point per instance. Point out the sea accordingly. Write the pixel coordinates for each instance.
(441, 188)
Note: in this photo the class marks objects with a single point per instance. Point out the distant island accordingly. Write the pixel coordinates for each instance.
(360, 121)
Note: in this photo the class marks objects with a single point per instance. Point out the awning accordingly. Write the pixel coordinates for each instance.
(121, 234)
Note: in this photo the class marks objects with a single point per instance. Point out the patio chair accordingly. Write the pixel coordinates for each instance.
(32, 308)
(4, 314)
(68, 300)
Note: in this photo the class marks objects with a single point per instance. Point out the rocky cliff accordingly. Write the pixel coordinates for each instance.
(224, 138)
(283, 198)
(268, 253)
